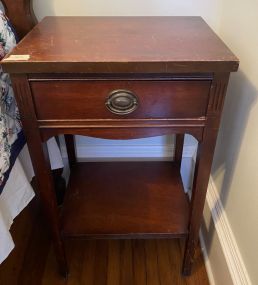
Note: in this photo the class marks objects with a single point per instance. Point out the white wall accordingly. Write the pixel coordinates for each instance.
(208, 9)
(235, 168)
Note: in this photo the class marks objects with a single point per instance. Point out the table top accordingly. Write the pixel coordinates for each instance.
(121, 45)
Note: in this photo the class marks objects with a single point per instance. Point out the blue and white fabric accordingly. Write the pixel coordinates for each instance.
(11, 135)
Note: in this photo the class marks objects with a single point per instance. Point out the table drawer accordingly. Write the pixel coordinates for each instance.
(97, 99)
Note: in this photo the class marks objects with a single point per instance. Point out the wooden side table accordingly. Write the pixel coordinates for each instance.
(122, 78)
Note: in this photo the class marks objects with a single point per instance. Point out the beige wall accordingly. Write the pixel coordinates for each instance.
(235, 167)
(208, 9)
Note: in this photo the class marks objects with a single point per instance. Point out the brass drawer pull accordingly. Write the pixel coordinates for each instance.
(122, 102)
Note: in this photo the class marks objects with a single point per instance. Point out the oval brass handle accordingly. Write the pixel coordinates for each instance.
(122, 102)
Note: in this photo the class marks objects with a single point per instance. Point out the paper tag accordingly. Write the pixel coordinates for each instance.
(18, 57)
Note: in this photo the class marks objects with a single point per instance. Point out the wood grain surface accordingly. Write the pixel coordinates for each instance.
(124, 262)
(125, 199)
(59, 99)
(122, 44)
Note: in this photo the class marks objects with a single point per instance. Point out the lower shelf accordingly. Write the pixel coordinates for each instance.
(125, 200)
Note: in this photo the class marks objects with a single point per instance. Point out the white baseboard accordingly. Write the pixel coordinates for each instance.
(227, 241)
(132, 152)
(96, 152)
(207, 261)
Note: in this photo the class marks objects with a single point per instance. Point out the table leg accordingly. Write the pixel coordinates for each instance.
(41, 164)
(203, 165)
(179, 145)
(200, 185)
(70, 147)
(45, 184)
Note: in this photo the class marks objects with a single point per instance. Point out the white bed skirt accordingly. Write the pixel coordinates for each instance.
(18, 192)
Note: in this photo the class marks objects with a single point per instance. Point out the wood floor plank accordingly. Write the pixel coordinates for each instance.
(166, 275)
(139, 263)
(32, 262)
(88, 264)
(175, 261)
(51, 274)
(21, 232)
(152, 272)
(75, 255)
(101, 259)
(121, 262)
(113, 270)
(126, 271)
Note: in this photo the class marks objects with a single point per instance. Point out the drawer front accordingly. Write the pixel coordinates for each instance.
(75, 99)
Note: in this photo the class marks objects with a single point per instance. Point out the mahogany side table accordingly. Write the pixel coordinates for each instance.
(122, 78)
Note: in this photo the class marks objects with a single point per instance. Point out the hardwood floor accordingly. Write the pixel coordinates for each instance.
(97, 262)
(124, 262)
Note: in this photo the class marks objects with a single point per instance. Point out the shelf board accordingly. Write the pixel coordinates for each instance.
(125, 200)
